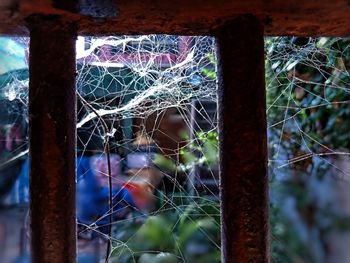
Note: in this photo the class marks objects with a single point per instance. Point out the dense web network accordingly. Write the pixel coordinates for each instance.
(145, 101)
(147, 134)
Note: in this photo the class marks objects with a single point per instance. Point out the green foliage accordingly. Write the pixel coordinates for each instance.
(189, 235)
(310, 76)
(210, 72)
(308, 112)
(202, 151)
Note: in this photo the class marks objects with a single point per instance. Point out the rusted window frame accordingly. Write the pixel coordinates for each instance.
(242, 126)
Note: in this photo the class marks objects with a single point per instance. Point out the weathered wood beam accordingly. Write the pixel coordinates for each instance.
(242, 133)
(290, 17)
(52, 136)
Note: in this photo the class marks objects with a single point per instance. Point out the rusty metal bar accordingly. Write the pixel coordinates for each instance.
(52, 135)
(243, 150)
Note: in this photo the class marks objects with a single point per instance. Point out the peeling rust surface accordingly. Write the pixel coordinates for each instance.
(242, 134)
(52, 139)
(292, 17)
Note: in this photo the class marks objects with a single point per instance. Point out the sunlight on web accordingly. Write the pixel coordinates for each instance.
(147, 122)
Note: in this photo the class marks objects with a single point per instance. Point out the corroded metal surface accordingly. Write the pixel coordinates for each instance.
(52, 140)
(243, 150)
(290, 17)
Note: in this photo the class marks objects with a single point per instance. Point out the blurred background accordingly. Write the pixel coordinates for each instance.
(147, 129)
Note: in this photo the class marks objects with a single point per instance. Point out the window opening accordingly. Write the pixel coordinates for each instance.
(143, 95)
(307, 82)
(148, 104)
(14, 185)
(157, 96)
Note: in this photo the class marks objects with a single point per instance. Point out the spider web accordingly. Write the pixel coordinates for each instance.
(147, 124)
(146, 132)
(288, 64)
(307, 108)
(143, 97)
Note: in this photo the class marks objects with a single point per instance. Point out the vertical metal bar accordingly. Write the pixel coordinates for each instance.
(243, 149)
(52, 136)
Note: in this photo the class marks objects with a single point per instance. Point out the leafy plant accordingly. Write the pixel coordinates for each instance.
(182, 234)
(309, 116)
(202, 151)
